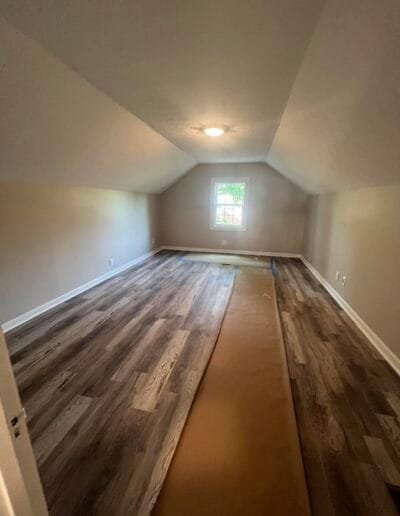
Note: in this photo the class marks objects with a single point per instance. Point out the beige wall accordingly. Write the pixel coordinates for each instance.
(340, 127)
(276, 211)
(358, 234)
(53, 239)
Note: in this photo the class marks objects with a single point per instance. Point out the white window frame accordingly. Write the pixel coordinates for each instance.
(213, 198)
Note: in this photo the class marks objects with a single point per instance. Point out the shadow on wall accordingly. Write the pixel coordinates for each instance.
(318, 234)
(56, 239)
(357, 235)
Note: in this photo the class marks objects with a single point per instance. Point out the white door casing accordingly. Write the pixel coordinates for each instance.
(21, 492)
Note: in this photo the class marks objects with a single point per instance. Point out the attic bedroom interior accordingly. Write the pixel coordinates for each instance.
(199, 258)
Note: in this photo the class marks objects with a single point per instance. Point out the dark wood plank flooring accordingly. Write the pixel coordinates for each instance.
(347, 400)
(107, 380)
(105, 374)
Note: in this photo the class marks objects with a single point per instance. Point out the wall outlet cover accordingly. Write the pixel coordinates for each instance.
(111, 262)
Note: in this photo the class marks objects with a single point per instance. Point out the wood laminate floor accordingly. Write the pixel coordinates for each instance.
(107, 380)
(347, 401)
(97, 404)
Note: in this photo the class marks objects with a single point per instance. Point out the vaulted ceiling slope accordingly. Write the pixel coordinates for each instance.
(312, 87)
(180, 64)
(57, 128)
(341, 127)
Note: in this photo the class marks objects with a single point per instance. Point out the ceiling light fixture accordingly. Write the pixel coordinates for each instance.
(214, 131)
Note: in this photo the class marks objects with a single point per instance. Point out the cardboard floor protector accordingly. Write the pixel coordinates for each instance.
(239, 453)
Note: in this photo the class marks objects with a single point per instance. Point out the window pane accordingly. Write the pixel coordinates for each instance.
(219, 218)
(239, 192)
(230, 193)
(228, 218)
(237, 215)
(221, 194)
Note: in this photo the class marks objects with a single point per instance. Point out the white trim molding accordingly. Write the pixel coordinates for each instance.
(27, 316)
(213, 203)
(378, 344)
(231, 251)
(34, 312)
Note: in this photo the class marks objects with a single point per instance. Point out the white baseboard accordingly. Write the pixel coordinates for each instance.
(25, 317)
(231, 251)
(380, 346)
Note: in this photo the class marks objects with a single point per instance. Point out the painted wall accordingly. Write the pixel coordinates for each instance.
(358, 233)
(54, 239)
(340, 128)
(275, 219)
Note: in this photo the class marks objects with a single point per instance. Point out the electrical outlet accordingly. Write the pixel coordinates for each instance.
(111, 262)
(224, 242)
(153, 241)
(337, 276)
(344, 280)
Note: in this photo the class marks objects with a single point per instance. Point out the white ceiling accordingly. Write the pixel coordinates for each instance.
(341, 127)
(312, 87)
(57, 128)
(179, 64)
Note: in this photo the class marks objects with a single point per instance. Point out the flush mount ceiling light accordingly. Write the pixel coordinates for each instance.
(214, 131)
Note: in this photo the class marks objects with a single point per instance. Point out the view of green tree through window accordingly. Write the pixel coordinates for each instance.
(228, 204)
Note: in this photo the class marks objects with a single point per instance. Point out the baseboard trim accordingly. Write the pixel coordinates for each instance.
(27, 316)
(378, 344)
(231, 251)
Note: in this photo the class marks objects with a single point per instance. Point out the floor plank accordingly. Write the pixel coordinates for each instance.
(108, 378)
(346, 400)
(104, 429)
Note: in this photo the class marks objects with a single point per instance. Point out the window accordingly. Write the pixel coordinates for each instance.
(229, 203)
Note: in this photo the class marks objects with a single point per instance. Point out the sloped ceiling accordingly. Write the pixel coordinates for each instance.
(311, 87)
(179, 64)
(341, 127)
(57, 128)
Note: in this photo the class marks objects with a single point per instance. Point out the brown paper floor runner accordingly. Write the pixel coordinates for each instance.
(239, 452)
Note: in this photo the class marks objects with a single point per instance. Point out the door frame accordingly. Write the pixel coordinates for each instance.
(21, 492)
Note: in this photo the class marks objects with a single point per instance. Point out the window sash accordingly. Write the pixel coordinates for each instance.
(234, 208)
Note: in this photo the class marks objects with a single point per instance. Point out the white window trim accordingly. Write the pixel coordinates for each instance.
(214, 181)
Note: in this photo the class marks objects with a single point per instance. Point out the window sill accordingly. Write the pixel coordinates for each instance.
(227, 228)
